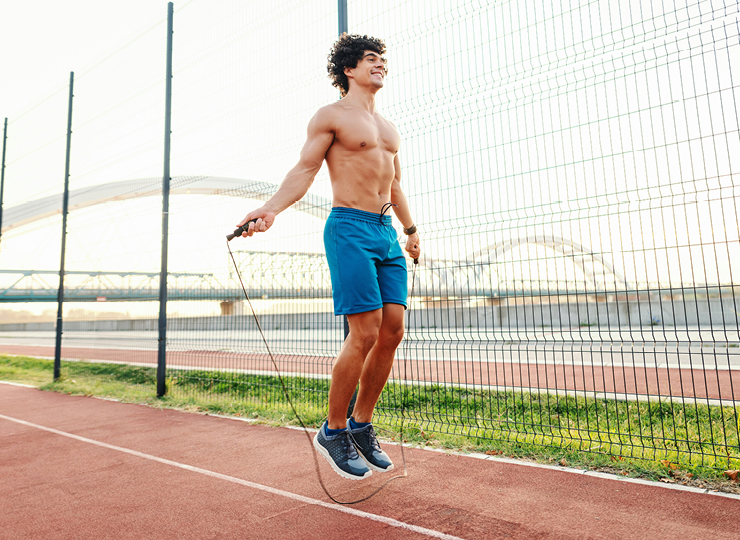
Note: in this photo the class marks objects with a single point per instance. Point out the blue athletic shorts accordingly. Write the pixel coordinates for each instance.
(367, 265)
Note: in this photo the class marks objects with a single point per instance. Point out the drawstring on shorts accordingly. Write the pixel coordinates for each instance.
(387, 206)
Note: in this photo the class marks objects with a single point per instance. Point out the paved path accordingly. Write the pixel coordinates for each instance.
(80, 467)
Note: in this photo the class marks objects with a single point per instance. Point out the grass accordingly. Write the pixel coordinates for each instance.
(664, 441)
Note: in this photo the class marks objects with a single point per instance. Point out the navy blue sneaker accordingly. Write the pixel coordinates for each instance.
(369, 449)
(341, 454)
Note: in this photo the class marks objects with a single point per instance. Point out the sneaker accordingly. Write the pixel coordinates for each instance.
(369, 449)
(341, 454)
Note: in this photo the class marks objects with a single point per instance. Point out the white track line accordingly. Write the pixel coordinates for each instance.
(300, 498)
(475, 455)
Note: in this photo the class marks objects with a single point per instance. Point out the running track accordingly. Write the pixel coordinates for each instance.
(622, 380)
(85, 468)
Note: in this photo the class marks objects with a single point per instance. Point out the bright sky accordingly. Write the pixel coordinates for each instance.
(513, 124)
(49, 39)
(42, 41)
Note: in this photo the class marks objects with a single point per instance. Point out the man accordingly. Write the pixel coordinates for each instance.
(367, 266)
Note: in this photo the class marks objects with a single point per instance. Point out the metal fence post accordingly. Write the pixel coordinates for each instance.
(343, 27)
(342, 8)
(65, 210)
(2, 175)
(162, 343)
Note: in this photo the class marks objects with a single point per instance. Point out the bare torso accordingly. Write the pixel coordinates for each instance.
(360, 148)
(362, 158)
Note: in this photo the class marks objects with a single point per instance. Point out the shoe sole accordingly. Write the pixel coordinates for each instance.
(325, 453)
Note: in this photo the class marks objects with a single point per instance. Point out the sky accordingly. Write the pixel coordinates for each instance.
(49, 39)
(42, 41)
(513, 123)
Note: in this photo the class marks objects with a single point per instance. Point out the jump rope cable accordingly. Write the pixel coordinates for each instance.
(287, 395)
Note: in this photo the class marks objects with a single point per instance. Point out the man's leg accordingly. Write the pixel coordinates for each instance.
(379, 362)
(364, 331)
(375, 371)
(339, 447)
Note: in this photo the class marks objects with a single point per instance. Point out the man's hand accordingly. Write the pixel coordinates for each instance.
(412, 245)
(264, 220)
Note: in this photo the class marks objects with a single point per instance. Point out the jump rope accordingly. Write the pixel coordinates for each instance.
(238, 232)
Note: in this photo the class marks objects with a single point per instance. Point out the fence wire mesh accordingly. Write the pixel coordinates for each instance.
(572, 167)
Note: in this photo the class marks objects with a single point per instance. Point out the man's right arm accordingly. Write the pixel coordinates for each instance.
(299, 179)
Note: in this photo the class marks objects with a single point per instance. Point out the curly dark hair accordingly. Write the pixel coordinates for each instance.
(346, 53)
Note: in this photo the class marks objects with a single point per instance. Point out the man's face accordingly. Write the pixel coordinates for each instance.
(371, 69)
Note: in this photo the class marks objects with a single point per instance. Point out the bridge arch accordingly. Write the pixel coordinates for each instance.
(453, 278)
(581, 256)
(450, 276)
(25, 213)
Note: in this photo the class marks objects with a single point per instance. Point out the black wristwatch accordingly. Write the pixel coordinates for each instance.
(411, 230)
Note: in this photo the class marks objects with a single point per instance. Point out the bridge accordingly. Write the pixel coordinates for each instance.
(284, 274)
(29, 212)
(82, 286)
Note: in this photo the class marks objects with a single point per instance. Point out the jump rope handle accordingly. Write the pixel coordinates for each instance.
(245, 227)
(240, 230)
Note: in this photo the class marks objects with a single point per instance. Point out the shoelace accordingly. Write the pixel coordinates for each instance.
(373, 439)
(349, 446)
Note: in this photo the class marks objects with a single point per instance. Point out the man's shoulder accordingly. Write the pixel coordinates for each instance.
(339, 112)
(331, 110)
(333, 116)
(326, 116)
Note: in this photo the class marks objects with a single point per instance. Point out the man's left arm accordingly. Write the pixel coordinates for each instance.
(403, 213)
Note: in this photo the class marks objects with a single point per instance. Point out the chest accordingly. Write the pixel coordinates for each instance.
(368, 132)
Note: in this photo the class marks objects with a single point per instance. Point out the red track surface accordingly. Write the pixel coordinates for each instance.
(64, 484)
(676, 382)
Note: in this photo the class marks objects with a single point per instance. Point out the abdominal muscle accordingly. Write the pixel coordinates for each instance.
(361, 179)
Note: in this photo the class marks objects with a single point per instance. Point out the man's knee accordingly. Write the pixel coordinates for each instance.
(365, 339)
(365, 328)
(391, 337)
(392, 329)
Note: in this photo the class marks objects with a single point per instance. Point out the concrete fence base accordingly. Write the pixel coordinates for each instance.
(451, 314)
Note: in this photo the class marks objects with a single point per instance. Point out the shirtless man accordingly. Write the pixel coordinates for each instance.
(368, 268)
